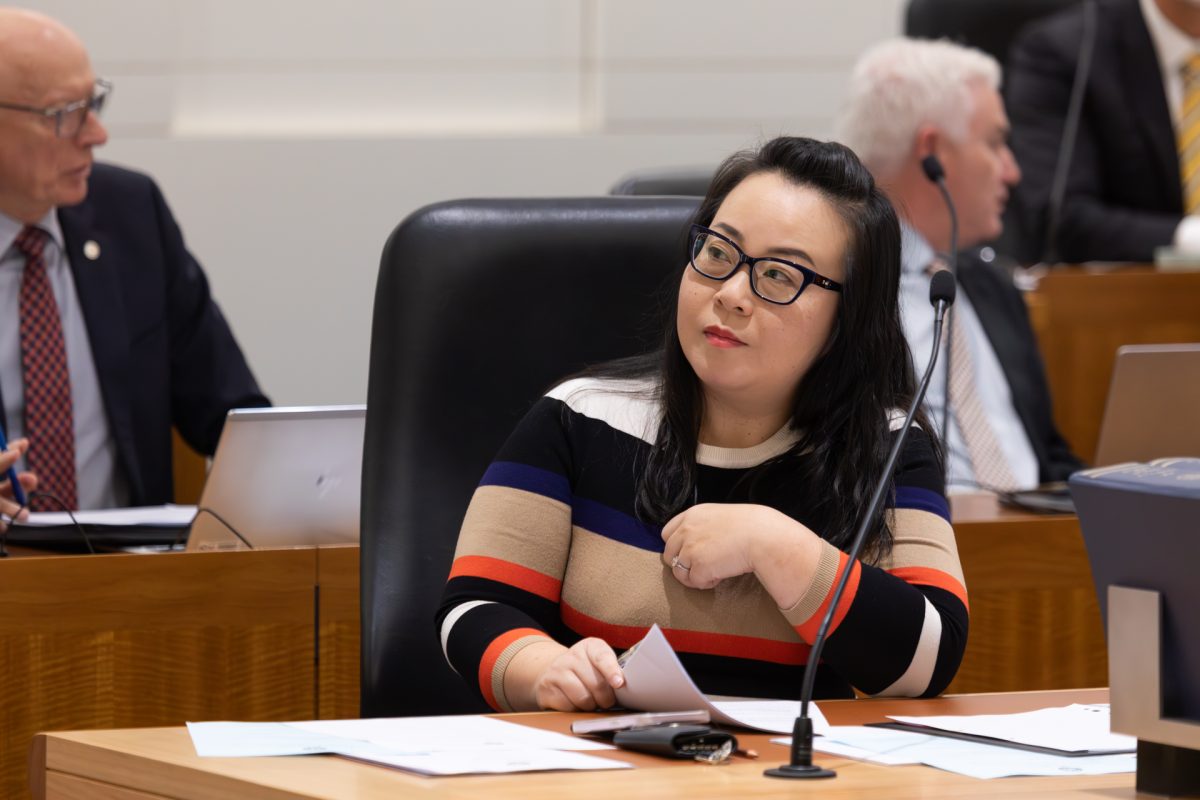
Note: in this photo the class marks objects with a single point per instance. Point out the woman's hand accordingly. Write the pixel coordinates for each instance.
(713, 541)
(546, 675)
(580, 678)
(8, 506)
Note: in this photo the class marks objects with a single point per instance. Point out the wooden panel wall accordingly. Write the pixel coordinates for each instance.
(116, 641)
(1082, 315)
(1035, 623)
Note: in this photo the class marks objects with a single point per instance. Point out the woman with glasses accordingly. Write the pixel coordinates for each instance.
(711, 486)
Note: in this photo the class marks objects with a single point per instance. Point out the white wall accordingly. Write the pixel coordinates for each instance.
(290, 136)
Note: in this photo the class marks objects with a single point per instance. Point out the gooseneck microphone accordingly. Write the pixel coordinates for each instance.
(937, 175)
(1066, 146)
(941, 296)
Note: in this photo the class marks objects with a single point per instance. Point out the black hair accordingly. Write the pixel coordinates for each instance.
(843, 403)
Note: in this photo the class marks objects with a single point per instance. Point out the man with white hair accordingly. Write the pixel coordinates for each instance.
(108, 333)
(910, 99)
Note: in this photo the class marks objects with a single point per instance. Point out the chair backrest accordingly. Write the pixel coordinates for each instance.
(480, 306)
(683, 181)
(990, 25)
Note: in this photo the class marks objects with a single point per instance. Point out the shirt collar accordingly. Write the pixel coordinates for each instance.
(10, 229)
(915, 251)
(1173, 46)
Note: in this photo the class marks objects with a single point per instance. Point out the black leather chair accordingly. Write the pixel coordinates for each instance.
(682, 181)
(480, 306)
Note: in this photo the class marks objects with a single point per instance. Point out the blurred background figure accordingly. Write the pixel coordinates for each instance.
(910, 99)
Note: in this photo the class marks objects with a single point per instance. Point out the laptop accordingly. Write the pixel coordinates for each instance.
(1153, 405)
(283, 477)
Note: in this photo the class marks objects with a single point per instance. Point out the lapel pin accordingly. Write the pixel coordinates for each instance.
(91, 250)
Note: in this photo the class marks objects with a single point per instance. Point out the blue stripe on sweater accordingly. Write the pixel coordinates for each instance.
(612, 524)
(590, 514)
(530, 479)
(923, 500)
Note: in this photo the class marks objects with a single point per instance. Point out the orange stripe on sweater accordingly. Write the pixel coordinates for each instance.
(495, 569)
(808, 629)
(714, 644)
(488, 663)
(927, 576)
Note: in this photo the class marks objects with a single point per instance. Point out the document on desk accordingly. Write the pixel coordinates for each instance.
(450, 745)
(166, 516)
(656, 681)
(975, 759)
(1070, 730)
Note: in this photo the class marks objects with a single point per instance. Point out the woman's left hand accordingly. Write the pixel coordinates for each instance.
(713, 541)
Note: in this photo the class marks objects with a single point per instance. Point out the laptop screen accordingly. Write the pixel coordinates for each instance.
(283, 477)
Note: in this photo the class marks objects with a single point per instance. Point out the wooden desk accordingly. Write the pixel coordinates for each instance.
(1083, 314)
(1035, 623)
(134, 640)
(153, 764)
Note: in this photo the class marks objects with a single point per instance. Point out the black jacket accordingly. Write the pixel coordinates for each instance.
(163, 352)
(1123, 195)
(1002, 312)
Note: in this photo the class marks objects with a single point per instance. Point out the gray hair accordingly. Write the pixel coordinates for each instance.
(901, 84)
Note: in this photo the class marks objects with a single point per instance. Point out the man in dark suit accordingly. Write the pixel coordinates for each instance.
(910, 99)
(1124, 194)
(108, 333)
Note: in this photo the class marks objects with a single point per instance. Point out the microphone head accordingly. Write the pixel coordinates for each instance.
(942, 287)
(933, 168)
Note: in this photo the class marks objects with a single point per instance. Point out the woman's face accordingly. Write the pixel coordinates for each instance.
(747, 352)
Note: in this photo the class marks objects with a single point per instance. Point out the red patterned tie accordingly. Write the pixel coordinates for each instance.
(49, 417)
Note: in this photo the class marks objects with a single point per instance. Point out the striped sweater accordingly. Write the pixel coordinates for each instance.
(551, 547)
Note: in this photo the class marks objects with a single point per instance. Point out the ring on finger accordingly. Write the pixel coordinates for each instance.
(675, 563)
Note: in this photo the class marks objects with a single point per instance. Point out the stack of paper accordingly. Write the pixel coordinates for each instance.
(1074, 740)
(452, 745)
(656, 681)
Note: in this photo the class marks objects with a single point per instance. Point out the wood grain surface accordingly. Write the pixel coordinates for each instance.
(1082, 315)
(113, 641)
(160, 763)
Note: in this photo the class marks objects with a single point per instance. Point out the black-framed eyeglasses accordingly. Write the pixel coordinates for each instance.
(69, 117)
(773, 279)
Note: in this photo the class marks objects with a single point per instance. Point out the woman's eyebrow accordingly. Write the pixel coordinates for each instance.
(795, 252)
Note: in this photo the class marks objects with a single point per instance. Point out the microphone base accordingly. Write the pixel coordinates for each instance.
(797, 771)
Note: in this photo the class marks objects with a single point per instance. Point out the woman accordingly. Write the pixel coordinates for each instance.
(708, 487)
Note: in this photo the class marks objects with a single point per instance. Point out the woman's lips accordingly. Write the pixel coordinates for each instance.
(720, 337)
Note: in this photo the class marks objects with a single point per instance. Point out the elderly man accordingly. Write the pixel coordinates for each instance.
(911, 99)
(108, 334)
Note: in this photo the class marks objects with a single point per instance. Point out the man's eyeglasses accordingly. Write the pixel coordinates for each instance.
(773, 279)
(69, 117)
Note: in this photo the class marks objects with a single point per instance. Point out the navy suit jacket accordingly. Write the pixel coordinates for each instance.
(1123, 195)
(164, 354)
(1005, 320)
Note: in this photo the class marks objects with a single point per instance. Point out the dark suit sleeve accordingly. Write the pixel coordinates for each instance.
(1005, 319)
(1102, 217)
(209, 374)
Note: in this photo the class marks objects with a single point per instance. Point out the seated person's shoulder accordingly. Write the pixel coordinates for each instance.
(112, 183)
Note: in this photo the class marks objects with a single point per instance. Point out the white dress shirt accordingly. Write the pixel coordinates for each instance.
(917, 315)
(99, 481)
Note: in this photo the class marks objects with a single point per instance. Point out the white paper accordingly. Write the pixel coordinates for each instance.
(656, 681)
(383, 738)
(1072, 729)
(446, 733)
(168, 516)
(974, 759)
(229, 739)
(468, 762)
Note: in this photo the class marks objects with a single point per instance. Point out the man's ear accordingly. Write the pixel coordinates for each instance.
(928, 142)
